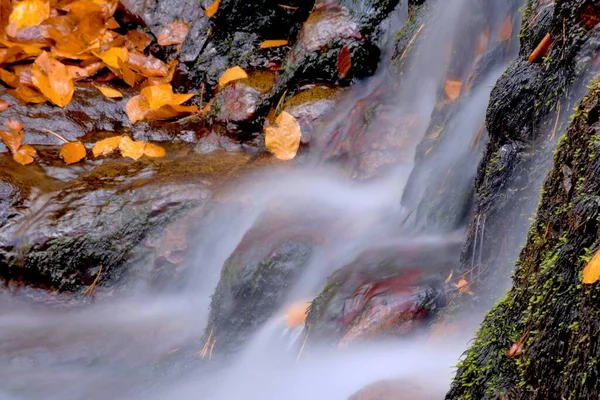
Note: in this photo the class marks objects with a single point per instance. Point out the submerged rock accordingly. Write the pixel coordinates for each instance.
(392, 390)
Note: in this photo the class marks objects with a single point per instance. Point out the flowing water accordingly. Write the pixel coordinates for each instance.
(143, 342)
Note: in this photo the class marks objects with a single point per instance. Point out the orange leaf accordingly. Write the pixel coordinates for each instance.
(127, 74)
(138, 40)
(169, 111)
(344, 62)
(72, 152)
(29, 13)
(148, 66)
(106, 146)
(27, 95)
(542, 49)
(232, 74)
(452, 89)
(52, 79)
(112, 24)
(112, 56)
(283, 139)
(505, 30)
(137, 107)
(24, 155)
(296, 315)
(3, 105)
(130, 148)
(273, 43)
(462, 286)
(483, 41)
(591, 272)
(212, 9)
(515, 350)
(286, 7)
(161, 95)
(153, 150)
(110, 92)
(12, 139)
(174, 33)
(9, 78)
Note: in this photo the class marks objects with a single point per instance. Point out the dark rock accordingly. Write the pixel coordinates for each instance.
(236, 103)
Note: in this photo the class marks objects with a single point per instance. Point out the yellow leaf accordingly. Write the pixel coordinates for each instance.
(212, 9)
(137, 107)
(53, 79)
(161, 95)
(130, 148)
(112, 56)
(232, 74)
(106, 146)
(283, 139)
(110, 92)
(72, 152)
(273, 43)
(29, 13)
(25, 155)
(154, 150)
(591, 272)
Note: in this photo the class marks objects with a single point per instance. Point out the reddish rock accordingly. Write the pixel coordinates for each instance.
(236, 103)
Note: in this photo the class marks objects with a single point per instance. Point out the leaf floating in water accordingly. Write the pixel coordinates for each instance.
(130, 148)
(29, 13)
(106, 146)
(72, 152)
(52, 78)
(174, 33)
(232, 74)
(591, 272)
(154, 150)
(542, 49)
(24, 155)
(212, 9)
(110, 92)
(452, 89)
(283, 139)
(505, 30)
(344, 62)
(273, 43)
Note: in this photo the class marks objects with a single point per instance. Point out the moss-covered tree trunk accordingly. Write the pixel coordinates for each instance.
(549, 313)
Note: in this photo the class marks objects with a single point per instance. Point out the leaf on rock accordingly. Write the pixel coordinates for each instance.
(483, 41)
(515, 350)
(591, 272)
(344, 62)
(138, 40)
(212, 9)
(52, 79)
(174, 33)
(283, 139)
(112, 56)
(29, 13)
(154, 150)
(273, 43)
(9, 78)
(541, 50)
(106, 146)
(3, 105)
(72, 152)
(232, 74)
(130, 148)
(463, 286)
(24, 155)
(137, 107)
(148, 66)
(452, 89)
(110, 92)
(161, 95)
(505, 30)
(27, 95)
(127, 74)
(12, 139)
(170, 111)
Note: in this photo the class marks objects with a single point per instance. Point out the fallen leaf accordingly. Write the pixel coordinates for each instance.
(462, 286)
(170, 111)
(515, 350)
(452, 89)
(130, 148)
(505, 30)
(72, 152)
(29, 13)
(591, 272)
(174, 33)
(110, 92)
(286, 7)
(52, 79)
(112, 56)
(112, 24)
(232, 74)
(148, 66)
(212, 9)
(161, 95)
(127, 74)
(541, 50)
(24, 155)
(283, 139)
(3, 105)
(296, 315)
(483, 40)
(106, 146)
(344, 61)
(12, 139)
(27, 95)
(154, 150)
(137, 107)
(9, 78)
(273, 43)
(138, 40)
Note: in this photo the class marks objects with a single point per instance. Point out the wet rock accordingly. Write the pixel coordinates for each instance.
(95, 214)
(386, 292)
(236, 103)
